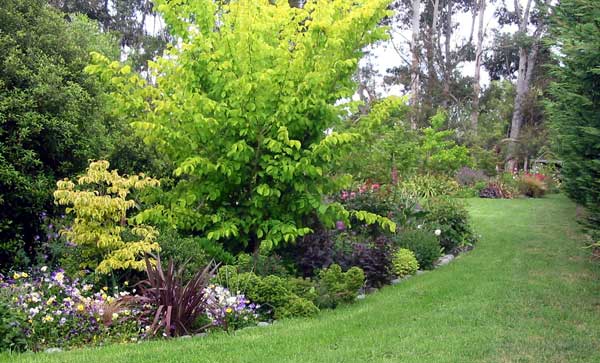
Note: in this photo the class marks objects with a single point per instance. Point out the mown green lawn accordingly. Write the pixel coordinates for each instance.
(527, 293)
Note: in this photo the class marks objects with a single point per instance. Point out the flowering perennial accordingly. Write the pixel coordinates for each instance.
(227, 310)
(58, 312)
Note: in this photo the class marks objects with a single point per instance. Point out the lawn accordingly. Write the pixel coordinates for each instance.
(527, 293)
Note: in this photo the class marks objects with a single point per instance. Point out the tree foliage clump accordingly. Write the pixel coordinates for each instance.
(51, 114)
(100, 230)
(575, 105)
(241, 105)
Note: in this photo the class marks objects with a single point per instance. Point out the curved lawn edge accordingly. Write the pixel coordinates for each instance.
(527, 293)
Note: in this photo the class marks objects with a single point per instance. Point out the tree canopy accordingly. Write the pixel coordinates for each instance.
(242, 104)
(51, 113)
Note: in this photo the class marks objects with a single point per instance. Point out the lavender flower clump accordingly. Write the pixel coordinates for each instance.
(59, 312)
(227, 310)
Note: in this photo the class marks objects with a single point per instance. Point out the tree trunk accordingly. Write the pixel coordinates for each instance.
(414, 68)
(527, 59)
(430, 41)
(522, 89)
(447, 55)
(477, 75)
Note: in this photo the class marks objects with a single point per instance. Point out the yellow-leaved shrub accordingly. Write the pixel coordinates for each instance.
(98, 202)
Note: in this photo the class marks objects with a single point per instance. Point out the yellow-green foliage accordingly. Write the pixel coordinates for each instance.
(240, 104)
(405, 263)
(98, 201)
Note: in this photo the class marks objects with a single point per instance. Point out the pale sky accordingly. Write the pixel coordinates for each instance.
(384, 55)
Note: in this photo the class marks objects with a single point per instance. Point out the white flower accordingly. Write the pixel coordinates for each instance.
(437, 232)
(44, 269)
(419, 226)
(59, 277)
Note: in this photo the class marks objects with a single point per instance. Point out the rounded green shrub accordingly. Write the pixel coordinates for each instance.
(272, 290)
(405, 263)
(336, 287)
(452, 219)
(296, 307)
(424, 244)
(304, 288)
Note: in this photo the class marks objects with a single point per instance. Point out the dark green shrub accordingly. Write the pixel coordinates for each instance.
(451, 218)
(53, 117)
(574, 106)
(336, 287)
(296, 307)
(12, 327)
(372, 198)
(272, 290)
(423, 243)
(303, 287)
(262, 265)
(183, 250)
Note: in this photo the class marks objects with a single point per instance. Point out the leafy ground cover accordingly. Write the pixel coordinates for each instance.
(527, 293)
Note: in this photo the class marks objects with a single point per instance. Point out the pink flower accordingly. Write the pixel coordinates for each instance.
(344, 195)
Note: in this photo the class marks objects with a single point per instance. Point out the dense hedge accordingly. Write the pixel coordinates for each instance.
(575, 106)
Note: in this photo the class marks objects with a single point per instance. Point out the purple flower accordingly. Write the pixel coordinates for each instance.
(340, 226)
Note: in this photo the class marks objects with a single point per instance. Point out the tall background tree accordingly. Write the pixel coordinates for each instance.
(142, 34)
(534, 13)
(52, 116)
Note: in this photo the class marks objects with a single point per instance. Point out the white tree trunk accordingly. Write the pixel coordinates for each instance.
(414, 68)
(447, 55)
(522, 89)
(477, 75)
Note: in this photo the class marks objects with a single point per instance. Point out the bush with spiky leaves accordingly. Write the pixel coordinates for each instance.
(174, 305)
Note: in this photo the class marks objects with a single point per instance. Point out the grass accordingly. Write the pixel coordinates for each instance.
(527, 293)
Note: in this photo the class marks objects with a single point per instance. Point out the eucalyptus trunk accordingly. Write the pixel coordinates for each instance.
(527, 58)
(477, 75)
(414, 67)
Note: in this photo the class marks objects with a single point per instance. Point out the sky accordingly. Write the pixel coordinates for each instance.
(384, 56)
